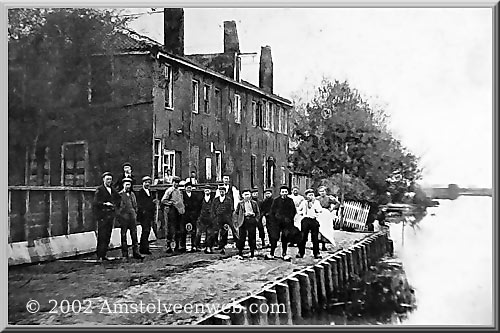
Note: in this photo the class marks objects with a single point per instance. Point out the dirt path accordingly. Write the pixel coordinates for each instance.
(109, 293)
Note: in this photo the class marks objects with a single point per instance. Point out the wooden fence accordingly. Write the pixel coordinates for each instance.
(355, 215)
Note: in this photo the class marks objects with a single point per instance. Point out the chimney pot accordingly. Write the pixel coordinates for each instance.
(231, 42)
(173, 30)
(266, 69)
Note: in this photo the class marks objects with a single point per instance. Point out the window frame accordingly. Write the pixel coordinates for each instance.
(85, 162)
(218, 166)
(206, 98)
(168, 76)
(237, 108)
(195, 96)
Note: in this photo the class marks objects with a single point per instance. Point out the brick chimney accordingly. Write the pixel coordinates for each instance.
(231, 42)
(173, 30)
(266, 69)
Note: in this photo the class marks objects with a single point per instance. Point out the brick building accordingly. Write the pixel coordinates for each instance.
(154, 106)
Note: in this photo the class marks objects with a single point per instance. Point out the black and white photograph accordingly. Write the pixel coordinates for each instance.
(250, 166)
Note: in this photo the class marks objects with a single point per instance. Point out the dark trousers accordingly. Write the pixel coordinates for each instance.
(248, 228)
(104, 229)
(275, 229)
(176, 229)
(191, 219)
(309, 225)
(128, 222)
(260, 227)
(146, 222)
(223, 233)
(205, 225)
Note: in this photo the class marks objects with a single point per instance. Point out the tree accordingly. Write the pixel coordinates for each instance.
(49, 52)
(339, 130)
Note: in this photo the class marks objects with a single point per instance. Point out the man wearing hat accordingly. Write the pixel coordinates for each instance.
(282, 214)
(260, 225)
(265, 209)
(174, 209)
(192, 203)
(146, 206)
(106, 202)
(205, 223)
(296, 197)
(247, 215)
(128, 219)
(222, 214)
(309, 210)
(127, 173)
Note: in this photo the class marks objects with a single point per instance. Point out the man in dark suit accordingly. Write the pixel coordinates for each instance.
(146, 205)
(222, 214)
(205, 223)
(282, 214)
(192, 203)
(260, 226)
(106, 202)
(128, 219)
(127, 173)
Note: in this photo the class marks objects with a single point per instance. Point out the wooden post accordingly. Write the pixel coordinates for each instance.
(272, 302)
(283, 294)
(238, 315)
(335, 274)
(49, 222)
(327, 268)
(256, 315)
(293, 285)
(221, 319)
(305, 293)
(320, 280)
(314, 286)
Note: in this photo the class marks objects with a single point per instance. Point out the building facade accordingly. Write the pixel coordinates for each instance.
(151, 105)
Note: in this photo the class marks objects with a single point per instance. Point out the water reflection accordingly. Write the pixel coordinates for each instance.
(449, 263)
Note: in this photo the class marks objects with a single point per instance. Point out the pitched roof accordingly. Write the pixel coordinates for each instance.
(127, 40)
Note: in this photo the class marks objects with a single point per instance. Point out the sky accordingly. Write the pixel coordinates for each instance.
(431, 69)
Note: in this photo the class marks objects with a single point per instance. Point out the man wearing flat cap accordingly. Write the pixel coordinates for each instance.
(128, 219)
(192, 203)
(127, 173)
(174, 221)
(222, 215)
(281, 222)
(106, 202)
(309, 209)
(146, 207)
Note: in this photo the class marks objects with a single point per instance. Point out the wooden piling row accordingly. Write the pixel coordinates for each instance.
(306, 291)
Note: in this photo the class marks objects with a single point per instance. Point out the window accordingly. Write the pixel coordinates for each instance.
(169, 161)
(158, 169)
(206, 99)
(218, 103)
(270, 170)
(74, 161)
(101, 76)
(237, 108)
(264, 115)
(285, 121)
(283, 176)
(267, 116)
(271, 116)
(169, 101)
(254, 113)
(208, 169)
(218, 166)
(279, 114)
(196, 96)
(38, 167)
(260, 115)
(253, 171)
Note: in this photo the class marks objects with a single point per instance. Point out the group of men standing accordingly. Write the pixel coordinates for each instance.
(187, 213)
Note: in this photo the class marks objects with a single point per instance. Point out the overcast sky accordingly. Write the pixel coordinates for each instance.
(430, 68)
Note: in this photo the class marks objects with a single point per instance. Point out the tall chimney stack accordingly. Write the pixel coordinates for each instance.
(173, 30)
(266, 69)
(231, 42)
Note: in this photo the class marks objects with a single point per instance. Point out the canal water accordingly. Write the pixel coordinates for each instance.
(448, 260)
